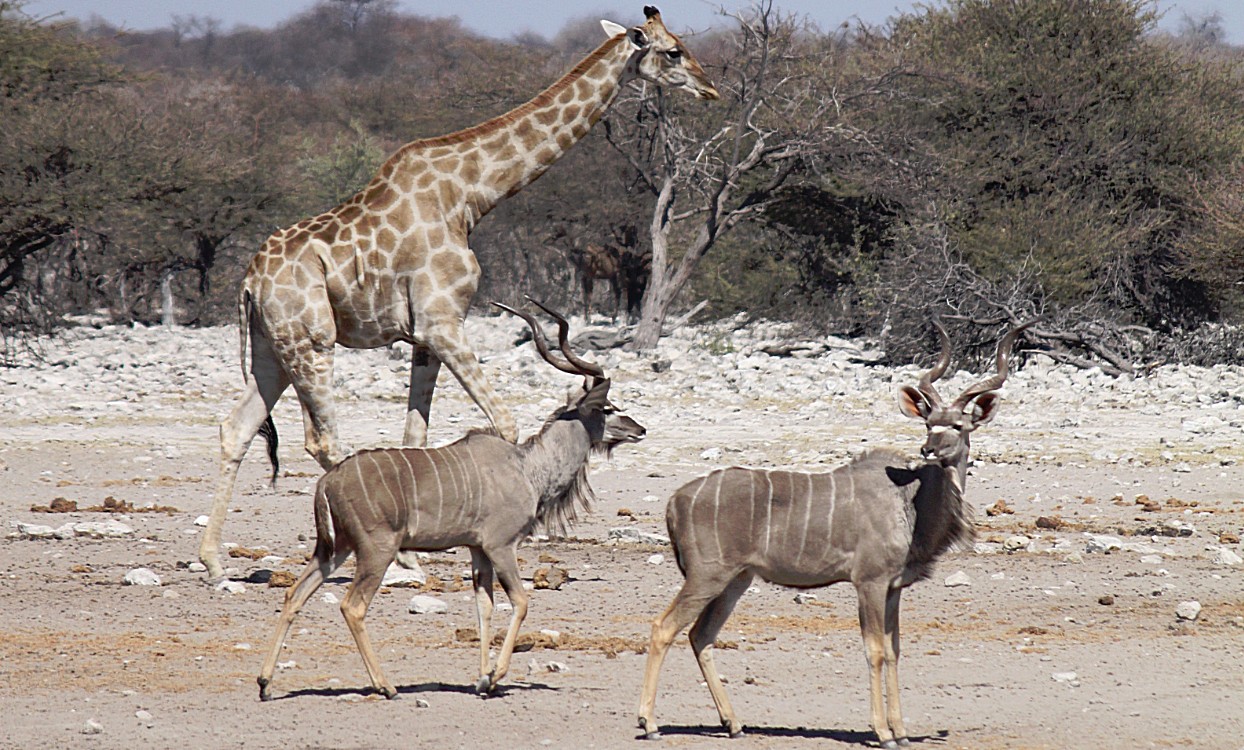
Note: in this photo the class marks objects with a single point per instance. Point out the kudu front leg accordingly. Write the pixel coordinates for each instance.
(873, 604)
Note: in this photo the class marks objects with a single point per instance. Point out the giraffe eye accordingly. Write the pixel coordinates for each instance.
(674, 54)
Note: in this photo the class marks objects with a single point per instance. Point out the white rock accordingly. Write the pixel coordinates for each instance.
(1102, 543)
(35, 530)
(92, 727)
(231, 587)
(804, 598)
(102, 529)
(1151, 559)
(958, 578)
(329, 598)
(1016, 543)
(398, 575)
(422, 604)
(144, 716)
(196, 567)
(632, 534)
(1070, 677)
(712, 454)
(1188, 611)
(200, 521)
(421, 703)
(141, 577)
(1224, 556)
(556, 666)
(651, 499)
(656, 559)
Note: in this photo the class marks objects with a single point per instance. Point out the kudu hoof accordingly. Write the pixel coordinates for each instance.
(484, 686)
(650, 731)
(264, 695)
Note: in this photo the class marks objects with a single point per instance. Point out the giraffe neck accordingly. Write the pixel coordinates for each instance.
(503, 155)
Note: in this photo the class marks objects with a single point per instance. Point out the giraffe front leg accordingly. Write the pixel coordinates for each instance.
(449, 345)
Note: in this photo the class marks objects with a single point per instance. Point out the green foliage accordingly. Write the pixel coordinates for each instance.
(338, 170)
(1066, 140)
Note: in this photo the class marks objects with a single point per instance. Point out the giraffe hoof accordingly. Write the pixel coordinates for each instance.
(889, 745)
(904, 742)
(650, 731)
(485, 685)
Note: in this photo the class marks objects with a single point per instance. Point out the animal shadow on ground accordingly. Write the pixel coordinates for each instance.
(864, 739)
(428, 687)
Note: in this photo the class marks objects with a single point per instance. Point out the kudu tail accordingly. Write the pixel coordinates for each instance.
(325, 537)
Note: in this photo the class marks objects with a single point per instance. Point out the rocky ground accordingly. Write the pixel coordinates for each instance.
(1105, 509)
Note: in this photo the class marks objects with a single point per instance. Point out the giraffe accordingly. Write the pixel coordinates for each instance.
(392, 263)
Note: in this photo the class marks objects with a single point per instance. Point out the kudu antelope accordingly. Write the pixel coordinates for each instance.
(481, 492)
(877, 522)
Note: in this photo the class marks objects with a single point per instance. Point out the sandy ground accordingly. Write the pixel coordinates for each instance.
(86, 661)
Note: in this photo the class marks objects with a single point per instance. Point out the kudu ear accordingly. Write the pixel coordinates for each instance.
(912, 403)
(597, 396)
(982, 408)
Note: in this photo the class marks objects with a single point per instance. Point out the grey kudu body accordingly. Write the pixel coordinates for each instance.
(878, 522)
(481, 492)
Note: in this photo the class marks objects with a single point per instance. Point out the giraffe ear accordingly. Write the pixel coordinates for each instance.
(612, 29)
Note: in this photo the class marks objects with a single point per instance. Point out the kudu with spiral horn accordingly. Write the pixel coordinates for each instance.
(879, 522)
(481, 492)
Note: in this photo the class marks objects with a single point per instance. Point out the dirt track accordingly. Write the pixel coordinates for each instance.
(131, 414)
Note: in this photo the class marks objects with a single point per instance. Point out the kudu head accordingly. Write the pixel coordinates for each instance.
(606, 425)
(949, 425)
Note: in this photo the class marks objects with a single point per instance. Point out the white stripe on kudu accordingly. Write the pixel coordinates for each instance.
(897, 518)
(537, 482)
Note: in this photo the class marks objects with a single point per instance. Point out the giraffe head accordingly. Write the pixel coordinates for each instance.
(662, 58)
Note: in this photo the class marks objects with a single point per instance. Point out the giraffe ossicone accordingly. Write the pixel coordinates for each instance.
(392, 263)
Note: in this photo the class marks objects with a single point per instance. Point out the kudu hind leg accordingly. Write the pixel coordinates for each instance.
(370, 565)
(308, 583)
(695, 595)
(704, 633)
(873, 601)
(481, 579)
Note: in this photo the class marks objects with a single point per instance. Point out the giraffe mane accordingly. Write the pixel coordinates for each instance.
(543, 99)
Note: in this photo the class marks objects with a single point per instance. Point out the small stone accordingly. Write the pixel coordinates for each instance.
(200, 521)
(550, 578)
(632, 534)
(1224, 556)
(422, 604)
(1105, 600)
(421, 703)
(656, 559)
(1189, 611)
(1016, 543)
(556, 666)
(231, 587)
(661, 365)
(329, 598)
(712, 454)
(92, 727)
(958, 578)
(144, 716)
(141, 577)
(803, 598)
(1103, 543)
(1069, 677)
(399, 576)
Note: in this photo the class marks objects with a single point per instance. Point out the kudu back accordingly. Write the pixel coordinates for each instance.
(879, 522)
(481, 492)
